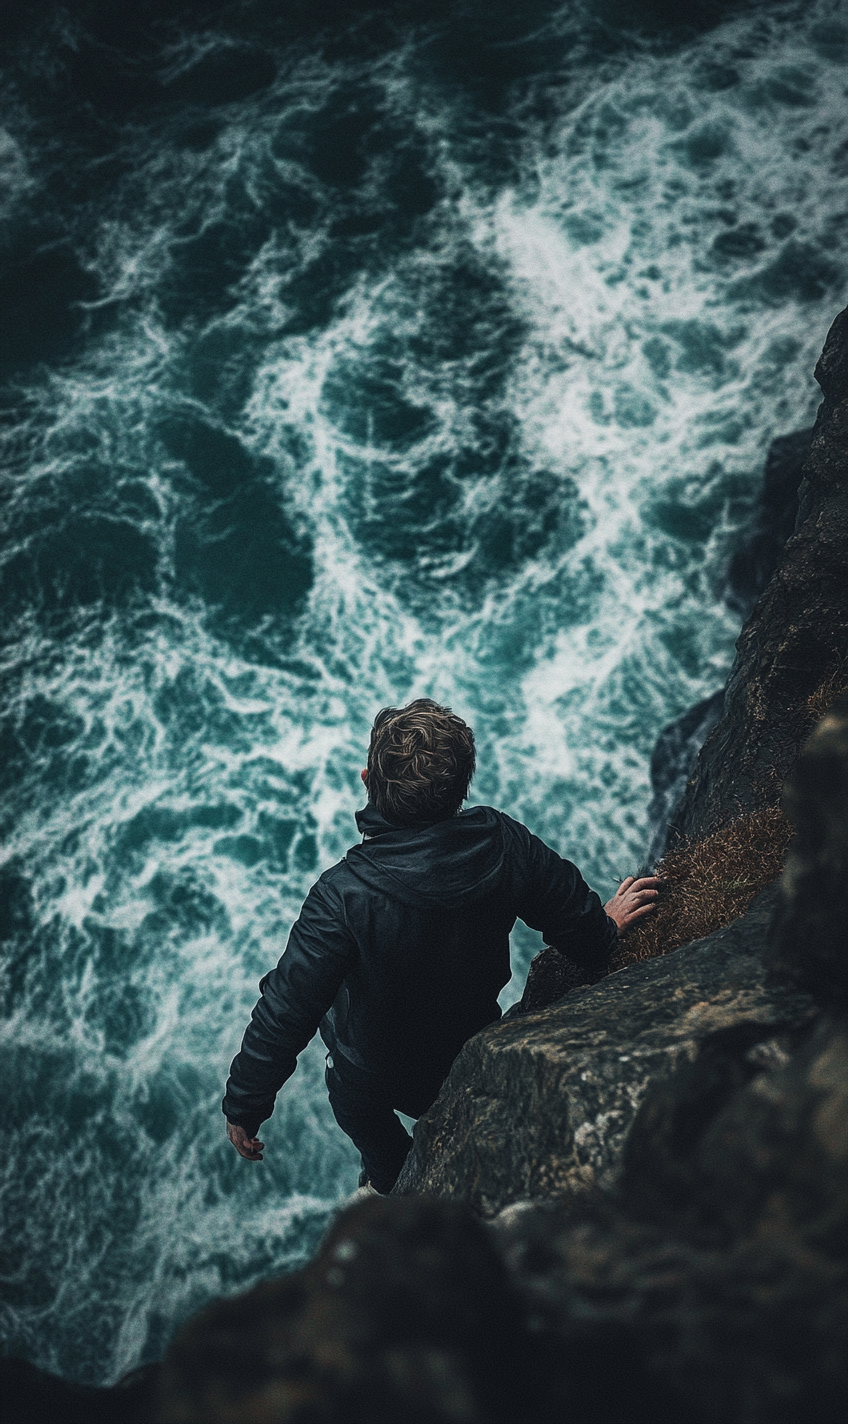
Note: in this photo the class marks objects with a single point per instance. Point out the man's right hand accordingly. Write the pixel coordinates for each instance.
(248, 1147)
(632, 901)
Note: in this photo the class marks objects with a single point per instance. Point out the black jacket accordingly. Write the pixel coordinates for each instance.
(402, 948)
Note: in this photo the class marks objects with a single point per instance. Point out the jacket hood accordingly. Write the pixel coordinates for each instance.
(431, 863)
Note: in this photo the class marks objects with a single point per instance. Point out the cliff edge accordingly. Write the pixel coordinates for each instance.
(792, 654)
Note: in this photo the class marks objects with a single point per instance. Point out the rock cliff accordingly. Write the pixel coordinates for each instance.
(751, 566)
(792, 654)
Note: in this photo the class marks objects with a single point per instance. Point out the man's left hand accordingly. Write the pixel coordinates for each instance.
(248, 1147)
(632, 901)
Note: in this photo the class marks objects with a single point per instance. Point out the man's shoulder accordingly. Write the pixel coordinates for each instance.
(336, 884)
(508, 823)
(521, 839)
(487, 814)
(328, 898)
(520, 845)
(331, 881)
(326, 890)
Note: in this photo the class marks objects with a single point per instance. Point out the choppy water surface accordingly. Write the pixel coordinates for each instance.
(338, 371)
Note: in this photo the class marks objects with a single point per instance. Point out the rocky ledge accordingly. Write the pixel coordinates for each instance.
(581, 1069)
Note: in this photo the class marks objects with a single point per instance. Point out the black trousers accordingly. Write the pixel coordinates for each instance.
(364, 1108)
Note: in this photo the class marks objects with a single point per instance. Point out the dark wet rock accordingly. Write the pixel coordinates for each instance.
(809, 937)
(406, 1314)
(793, 647)
(751, 566)
(748, 1136)
(717, 1272)
(672, 763)
(772, 522)
(550, 977)
(32, 1396)
(539, 1106)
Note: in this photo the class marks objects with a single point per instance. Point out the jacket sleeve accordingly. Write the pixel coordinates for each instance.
(294, 998)
(553, 897)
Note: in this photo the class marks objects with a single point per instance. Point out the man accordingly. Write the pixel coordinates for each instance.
(401, 949)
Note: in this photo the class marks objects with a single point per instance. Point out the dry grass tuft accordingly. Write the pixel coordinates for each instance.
(834, 683)
(708, 883)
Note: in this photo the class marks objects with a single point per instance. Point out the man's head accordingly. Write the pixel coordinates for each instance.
(420, 762)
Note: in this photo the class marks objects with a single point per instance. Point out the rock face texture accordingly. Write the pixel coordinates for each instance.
(672, 763)
(717, 1280)
(717, 1268)
(794, 646)
(539, 1107)
(550, 977)
(809, 940)
(406, 1314)
(747, 1139)
(772, 522)
(750, 568)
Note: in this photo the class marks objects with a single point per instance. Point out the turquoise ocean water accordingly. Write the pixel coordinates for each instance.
(417, 353)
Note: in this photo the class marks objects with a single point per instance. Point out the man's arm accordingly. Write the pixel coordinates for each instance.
(555, 899)
(295, 997)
